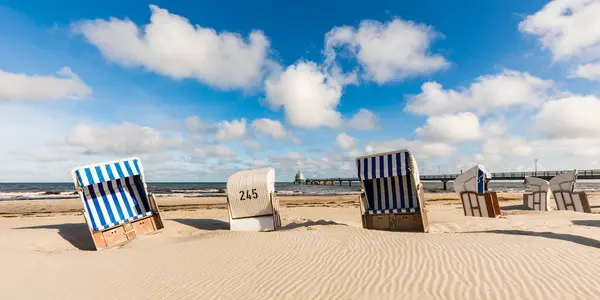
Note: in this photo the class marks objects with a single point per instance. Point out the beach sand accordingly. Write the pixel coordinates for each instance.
(320, 253)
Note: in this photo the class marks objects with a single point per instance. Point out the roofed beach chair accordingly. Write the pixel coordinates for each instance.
(540, 194)
(251, 200)
(393, 197)
(472, 188)
(563, 187)
(116, 204)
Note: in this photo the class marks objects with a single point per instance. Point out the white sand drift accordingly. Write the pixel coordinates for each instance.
(252, 203)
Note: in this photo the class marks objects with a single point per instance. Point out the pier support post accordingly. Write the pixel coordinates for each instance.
(444, 182)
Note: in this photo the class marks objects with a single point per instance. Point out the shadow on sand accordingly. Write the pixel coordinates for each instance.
(77, 234)
(549, 235)
(204, 224)
(515, 207)
(591, 223)
(310, 223)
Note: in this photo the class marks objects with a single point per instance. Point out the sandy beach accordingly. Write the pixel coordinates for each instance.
(320, 253)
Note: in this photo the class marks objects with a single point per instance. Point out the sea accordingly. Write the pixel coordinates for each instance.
(66, 190)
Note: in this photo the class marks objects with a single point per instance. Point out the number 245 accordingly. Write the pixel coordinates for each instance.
(247, 196)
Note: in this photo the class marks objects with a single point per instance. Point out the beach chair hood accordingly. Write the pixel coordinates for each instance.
(112, 193)
(537, 184)
(564, 182)
(473, 180)
(249, 193)
(390, 181)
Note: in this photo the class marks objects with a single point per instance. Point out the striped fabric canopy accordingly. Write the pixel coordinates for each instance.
(383, 165)
(108, 171)
(113, 193)
(389, 181)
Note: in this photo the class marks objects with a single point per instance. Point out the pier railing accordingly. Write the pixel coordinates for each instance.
(582, 174)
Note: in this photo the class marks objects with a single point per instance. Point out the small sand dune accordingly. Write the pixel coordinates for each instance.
(321, 253)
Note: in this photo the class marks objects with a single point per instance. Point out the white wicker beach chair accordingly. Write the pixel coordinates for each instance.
(393, 197)
(563, 187)
(540, 194)
(477, 201)
(116, 204)
(253, 205)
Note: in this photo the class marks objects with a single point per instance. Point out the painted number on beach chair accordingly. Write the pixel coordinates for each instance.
(247, 196)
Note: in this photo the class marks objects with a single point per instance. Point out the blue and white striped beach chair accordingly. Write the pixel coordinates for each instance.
(116, 204)
(393, 197)
(472, 188)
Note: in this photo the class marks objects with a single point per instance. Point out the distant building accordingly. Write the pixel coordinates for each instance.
(299, 177)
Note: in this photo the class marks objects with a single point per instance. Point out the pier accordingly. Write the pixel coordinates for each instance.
(445, 178)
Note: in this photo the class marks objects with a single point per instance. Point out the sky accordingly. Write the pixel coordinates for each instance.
(201, 89)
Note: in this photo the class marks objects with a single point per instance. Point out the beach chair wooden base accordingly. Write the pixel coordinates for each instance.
(412, 221)
(395, 222)
(480, 205)
(574, 201)
(536, 201)
(269, 222)
(121, 234)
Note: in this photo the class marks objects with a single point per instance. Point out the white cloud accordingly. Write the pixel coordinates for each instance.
(364, 119)
(418, 148)
(252, 145)
(123, 139)
(488, 93)
(588, 71)
(574, 146)
(195, 124)
(506, 146)
(345, 141)
(567, 27)
(389, 51)
(451, 128)
(493, 128)
(309, 97)
(233, 130)
(571, 117)
(170, 45)
(211, 151)
(293, 156)
(65, 84)
(270, 127)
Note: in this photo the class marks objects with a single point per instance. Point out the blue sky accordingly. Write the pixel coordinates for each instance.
(200, 90)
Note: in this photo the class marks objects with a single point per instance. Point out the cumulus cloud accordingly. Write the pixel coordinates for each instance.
(123, 139)
(418, 148)
(170, 45)
(219, 151)
(309, 97)
(451, 128)
(233, 130)
(364, 119)
(273, 128)
(567, 27)
(64, 85)
(252, 145)
(195, 124)
(345, 141)
(488, 93)
(506, 146)
(389, 51)
(570, 117)
(587, 71)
